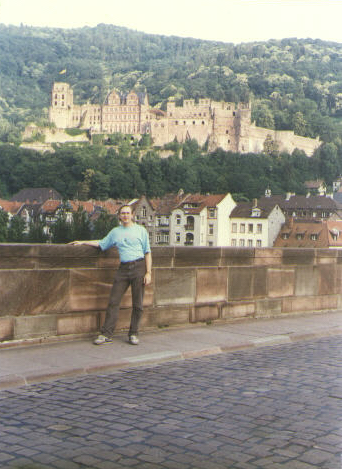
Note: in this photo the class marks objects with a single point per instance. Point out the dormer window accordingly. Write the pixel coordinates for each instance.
(256, 212)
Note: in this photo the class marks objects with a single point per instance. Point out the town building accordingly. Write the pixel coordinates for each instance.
(255, 224)
(310, 234)
(217, 124)
(201, 220)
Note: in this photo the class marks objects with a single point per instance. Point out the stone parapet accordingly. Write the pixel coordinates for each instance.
(61, 291)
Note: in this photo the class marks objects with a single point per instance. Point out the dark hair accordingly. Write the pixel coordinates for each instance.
(126, 205)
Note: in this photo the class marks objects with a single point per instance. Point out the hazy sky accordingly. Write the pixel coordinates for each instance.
(222, 20)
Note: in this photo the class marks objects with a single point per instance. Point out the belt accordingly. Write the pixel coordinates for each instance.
(133, 262)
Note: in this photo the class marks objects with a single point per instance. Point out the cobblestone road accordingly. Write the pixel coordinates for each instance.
(274, 407)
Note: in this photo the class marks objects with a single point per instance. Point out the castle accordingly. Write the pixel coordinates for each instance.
(219, 124)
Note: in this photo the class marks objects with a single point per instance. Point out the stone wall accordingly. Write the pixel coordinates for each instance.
(60, 291)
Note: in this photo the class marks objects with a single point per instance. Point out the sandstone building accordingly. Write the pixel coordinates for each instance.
(219, 124)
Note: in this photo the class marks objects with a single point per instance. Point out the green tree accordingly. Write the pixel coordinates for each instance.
(61, 230)
(16, 229)
(36, 232)
(3, 226)
(80, 226)
(103, 224)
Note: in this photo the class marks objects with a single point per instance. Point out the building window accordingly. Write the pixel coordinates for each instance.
(210, 243)
(211, 229)
(242, 243)
(177, 237)
(143, 212)
(234, 228)
(211, 213)
(259, 228)
(250, 227)
(250, 243)
(300, 236)
(178, 219)
(285, 236)
(233, 242)
(242, 227)
(314, 236)
(258, 243)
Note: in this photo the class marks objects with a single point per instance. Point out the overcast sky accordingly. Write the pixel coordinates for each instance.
(221, 20)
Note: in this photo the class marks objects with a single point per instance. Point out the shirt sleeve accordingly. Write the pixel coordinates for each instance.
(108, 241)
(145, 241)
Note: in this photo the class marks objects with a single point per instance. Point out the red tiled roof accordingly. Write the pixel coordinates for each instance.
(11, 207)
(328, 233)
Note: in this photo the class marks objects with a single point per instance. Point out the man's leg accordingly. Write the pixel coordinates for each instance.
(120, 285)
(138, 288)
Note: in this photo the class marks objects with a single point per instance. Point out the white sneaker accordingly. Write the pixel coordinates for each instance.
(102, 339)
(133, 340)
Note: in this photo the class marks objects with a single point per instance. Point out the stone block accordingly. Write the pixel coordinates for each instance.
(163, 256)
(240, 283)
(268, 308)
(326, 256)
(280, 282)
(35, 326)
(163, 316)
(237, 256)
(315, 303)
(197, 256)
(77, 323)
(327, 277)
(268, 256)
(6, 328)
(259, 281)
(33, 291)
(174, 286)
(211, 284)
(298, 256)
(306, 281)
(90, 288)
(238, 310)
(202, 313)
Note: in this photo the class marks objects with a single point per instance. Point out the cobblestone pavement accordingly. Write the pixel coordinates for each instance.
(274, 407)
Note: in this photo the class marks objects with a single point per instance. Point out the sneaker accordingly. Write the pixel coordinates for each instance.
(133, 340)
(102, 339)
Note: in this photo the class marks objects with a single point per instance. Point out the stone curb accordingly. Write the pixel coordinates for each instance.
(15, 380)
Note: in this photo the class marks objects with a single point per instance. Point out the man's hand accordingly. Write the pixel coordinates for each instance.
(147, 278)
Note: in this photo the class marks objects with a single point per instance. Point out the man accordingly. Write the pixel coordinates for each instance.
(133, 245)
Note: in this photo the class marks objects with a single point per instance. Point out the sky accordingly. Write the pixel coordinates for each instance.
(233, 21)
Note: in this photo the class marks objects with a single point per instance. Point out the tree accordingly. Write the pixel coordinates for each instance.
(3, 226)
(16, 230)
(103, 224)
(61, 230)
(36, 232)
(80, 226)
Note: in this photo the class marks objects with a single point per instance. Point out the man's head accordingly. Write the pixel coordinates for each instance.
(126, 214)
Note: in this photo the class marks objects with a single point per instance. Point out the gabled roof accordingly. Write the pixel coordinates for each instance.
(50, 206)
(199, 202)
(245, 209)
(301, 202)
(39, 194)
(310, 234)
(11, 207)
(164, 205)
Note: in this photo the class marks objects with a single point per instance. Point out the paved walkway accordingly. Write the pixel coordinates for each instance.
(24, 365)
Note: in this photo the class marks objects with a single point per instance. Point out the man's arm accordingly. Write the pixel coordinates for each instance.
(148, 261)
(94, 243)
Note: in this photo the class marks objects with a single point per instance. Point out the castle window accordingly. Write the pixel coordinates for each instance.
(176, 122)
(193, 122)
(227, 132)
(203, 122)
(184, 122)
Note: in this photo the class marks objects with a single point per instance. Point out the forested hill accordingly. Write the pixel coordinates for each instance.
(293, 84)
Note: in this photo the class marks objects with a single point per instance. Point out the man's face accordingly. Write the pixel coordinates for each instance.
(126, 216)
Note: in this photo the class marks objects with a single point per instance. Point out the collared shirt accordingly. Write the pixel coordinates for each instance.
(132, 242)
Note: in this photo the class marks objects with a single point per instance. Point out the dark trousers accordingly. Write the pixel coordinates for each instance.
(129, 274)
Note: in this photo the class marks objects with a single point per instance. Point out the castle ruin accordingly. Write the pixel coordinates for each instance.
(219, 124)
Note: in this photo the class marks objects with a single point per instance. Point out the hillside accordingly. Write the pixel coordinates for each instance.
(293, 84)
